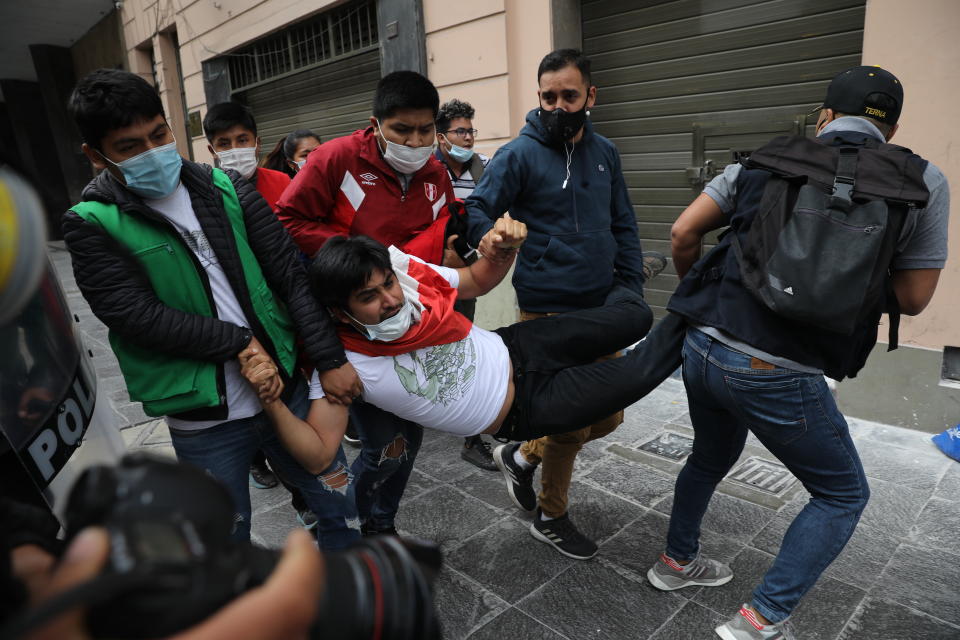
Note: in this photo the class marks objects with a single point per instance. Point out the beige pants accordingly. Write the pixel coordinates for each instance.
(556, 453)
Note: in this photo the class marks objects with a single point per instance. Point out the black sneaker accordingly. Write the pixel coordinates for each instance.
(653, 263)
(563, 536)
(350, 435)
(477, 452)
(261, 477)
(519, 480)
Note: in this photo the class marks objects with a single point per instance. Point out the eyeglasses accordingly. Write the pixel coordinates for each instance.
(461, 132)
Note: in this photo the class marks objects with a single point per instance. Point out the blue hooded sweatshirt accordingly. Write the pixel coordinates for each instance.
(582, 238)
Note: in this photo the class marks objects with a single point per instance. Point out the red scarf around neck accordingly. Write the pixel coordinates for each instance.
(439, 323)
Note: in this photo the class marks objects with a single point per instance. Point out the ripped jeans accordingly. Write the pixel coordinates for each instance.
(225, 452)
(381, 471)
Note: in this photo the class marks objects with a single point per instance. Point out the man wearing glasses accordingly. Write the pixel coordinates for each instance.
(455, 138)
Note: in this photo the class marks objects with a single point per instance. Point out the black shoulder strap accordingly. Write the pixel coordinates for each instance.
(476, 169)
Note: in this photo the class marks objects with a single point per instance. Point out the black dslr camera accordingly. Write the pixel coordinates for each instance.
(169, 527)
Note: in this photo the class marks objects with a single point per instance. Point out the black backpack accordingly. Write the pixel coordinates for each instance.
(819, 249)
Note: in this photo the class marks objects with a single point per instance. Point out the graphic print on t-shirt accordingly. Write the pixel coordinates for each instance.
(440, 374)
(196, 239)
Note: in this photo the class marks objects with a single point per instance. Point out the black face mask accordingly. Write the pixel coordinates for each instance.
(561, 125)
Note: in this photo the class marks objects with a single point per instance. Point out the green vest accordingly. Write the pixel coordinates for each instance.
(170, 384)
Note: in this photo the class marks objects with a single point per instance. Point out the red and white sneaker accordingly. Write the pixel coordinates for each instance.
(746, 626)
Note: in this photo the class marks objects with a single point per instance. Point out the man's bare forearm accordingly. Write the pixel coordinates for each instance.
(314, 449)
(489, 273)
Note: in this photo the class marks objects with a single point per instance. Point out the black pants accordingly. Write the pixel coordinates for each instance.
(560, 388)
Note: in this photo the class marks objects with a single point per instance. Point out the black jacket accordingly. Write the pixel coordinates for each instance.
(120, 295)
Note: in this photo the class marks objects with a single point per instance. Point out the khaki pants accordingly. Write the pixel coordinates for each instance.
(556, 453)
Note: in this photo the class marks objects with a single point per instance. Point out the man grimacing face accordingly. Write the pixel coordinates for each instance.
(380, 298)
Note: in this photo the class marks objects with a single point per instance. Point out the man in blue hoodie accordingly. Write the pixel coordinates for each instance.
(565, 182)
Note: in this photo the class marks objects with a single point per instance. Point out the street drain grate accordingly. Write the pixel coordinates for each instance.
(763, 475)
(671, 446)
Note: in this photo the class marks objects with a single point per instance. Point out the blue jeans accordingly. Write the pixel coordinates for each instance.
(381, 471)
(795, 417)
(225, 452)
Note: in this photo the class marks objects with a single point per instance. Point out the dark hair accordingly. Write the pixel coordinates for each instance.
(404, 90)
(108, 99)
(560, 58)
(225, 115)
(344, 265)
(451, 110)
(286, 147)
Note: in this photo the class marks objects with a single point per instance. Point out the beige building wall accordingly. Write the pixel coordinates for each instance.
(486, 52)
(917, 42)
(204, 30)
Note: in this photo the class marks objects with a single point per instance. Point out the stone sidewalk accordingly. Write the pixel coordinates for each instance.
(898, 578)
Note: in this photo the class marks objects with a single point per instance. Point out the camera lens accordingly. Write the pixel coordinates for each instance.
(380, 589)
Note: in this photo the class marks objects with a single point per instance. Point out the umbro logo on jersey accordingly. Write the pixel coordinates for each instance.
(368, 179)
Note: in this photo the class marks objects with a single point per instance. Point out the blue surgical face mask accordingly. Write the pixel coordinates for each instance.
(460, 154)
(152, 174)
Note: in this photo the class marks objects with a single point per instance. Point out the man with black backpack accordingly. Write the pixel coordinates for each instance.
(825, 236)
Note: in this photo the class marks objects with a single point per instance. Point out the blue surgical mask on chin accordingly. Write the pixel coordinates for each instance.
(152, 174)
(392, 328)
(460, 154)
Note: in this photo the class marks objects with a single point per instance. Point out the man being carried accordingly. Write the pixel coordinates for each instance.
(423, 362)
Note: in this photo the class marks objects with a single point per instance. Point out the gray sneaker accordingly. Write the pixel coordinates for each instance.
(668, 575)
(746, 626)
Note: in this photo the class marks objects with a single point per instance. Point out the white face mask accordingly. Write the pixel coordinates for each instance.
(403, 158)
(299, 164)
(243, 160)
(392, 328)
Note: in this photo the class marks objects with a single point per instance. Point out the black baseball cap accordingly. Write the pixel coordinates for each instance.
(866, 91)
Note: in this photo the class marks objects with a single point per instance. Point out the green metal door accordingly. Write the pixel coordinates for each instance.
(688, 86)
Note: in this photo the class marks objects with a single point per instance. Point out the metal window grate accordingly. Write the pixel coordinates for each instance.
(331, 35)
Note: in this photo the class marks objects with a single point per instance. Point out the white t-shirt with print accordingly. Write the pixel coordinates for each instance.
(458, 387)
(242, 400)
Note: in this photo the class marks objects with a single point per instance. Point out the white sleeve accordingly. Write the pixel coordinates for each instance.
(448, 274)
(316, 391)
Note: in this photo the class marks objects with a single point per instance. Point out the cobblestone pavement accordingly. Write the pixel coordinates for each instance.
(898, 578)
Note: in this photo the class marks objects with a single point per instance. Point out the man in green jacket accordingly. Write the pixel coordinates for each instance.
(187, 266)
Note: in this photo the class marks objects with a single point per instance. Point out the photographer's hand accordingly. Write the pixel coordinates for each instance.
(284, 607)
(82, 562)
